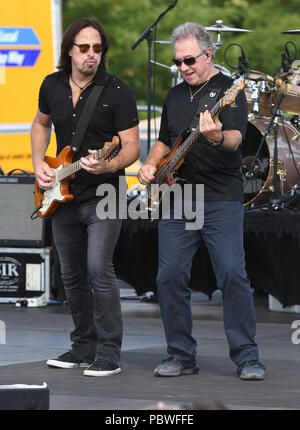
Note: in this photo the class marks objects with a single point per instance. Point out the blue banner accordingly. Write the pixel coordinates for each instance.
(18, 36)
(18, 57)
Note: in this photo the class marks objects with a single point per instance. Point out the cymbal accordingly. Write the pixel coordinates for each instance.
(291, 32)
(162, 41)
(219, 27)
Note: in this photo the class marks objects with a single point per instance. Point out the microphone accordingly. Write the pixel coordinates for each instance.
(243, 63)
(286, 58)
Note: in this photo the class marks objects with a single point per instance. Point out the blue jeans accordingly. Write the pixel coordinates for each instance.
(85, 246)
(222, 233)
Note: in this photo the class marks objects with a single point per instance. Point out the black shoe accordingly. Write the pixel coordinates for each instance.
(173, 367)
(251, 370)
(102, 367)
(66, 361)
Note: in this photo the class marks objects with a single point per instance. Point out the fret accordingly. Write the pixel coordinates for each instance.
(72, 168)
(217, 107)
(184, 147)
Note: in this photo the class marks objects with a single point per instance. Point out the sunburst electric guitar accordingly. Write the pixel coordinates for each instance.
(171, 162)
(47, 201)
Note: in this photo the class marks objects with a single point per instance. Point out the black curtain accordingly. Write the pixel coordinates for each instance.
(272, 250)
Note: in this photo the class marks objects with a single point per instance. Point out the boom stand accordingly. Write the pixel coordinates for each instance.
(274, 123)
(147, 34)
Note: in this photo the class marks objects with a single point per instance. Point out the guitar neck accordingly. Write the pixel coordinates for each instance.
(184, 148)
(193, 138)
(72, 168)
(217, 108)
(176, 159)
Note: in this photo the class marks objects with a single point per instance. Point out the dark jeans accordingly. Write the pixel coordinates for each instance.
(222, 233)
(85, 247)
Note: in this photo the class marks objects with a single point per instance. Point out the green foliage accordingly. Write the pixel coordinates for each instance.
(125, 20)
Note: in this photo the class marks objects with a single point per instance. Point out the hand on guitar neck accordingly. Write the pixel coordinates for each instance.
(44, 174)
(209, 127)
(53, 175)
(93, 164)
(162, 161)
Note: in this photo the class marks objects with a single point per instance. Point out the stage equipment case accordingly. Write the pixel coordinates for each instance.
(25, 276)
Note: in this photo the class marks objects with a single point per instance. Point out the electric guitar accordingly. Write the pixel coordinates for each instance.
(47, 201)
(171, 162)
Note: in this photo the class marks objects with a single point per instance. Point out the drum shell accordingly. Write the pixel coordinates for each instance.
(288, 84)
(287, 174)
(265, 99)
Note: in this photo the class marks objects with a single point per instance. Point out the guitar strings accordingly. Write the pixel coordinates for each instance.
(158, 180)
(74, 167)
(179, 153)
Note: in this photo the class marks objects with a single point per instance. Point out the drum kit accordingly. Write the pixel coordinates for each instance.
(271, 150)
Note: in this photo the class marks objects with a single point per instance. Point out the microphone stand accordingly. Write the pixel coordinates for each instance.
(263, 139)
(147, 34)
(274, 123)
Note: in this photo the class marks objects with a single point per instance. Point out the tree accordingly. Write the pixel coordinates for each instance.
(125, 20)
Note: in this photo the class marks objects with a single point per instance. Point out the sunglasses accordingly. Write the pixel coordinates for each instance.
(84, 47)
(188, 61)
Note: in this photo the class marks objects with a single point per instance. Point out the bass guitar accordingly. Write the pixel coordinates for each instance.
(47, 201)
(170, 163)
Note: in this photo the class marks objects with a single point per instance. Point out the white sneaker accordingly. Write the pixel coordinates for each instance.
(66, 361)
(102, 367)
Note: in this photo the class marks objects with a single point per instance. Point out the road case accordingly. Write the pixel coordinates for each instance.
(25, 276)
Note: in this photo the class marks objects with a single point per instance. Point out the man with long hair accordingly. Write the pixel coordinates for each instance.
(84, 242)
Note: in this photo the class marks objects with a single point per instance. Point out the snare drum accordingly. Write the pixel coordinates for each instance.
(288, 84)
(258, 88)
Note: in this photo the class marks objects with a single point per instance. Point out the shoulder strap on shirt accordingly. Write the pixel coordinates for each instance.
(211, 95)
(86, 115)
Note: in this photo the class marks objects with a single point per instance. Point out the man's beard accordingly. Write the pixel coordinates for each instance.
(88, 70)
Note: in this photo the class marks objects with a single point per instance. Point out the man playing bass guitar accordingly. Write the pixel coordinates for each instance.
(214, 161)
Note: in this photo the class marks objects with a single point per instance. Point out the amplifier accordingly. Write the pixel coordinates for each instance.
(17, 205)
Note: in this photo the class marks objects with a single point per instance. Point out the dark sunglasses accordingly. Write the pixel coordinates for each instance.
(84, 47)
(188, 61)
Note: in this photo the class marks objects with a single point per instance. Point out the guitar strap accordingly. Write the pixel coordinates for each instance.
(82, 124)
(207, 101)
(86, 115)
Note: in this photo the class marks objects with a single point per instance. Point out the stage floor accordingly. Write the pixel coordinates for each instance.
(35, 334)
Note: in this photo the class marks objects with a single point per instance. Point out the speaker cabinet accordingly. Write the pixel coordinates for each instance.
(17, 205)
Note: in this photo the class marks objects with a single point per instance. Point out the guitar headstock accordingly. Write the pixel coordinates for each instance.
(232, 92)
(110, 149)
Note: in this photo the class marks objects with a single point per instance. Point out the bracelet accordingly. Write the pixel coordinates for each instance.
(218, 144)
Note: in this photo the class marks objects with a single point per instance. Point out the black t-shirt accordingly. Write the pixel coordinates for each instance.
(115, 111)
(218, 170)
